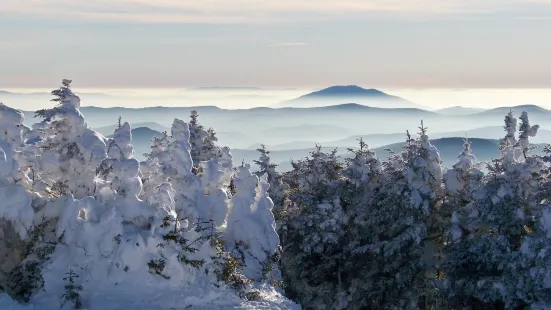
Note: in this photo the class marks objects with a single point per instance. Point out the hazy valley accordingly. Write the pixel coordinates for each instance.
(335, 118)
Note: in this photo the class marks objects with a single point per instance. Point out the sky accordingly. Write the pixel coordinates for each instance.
(276, 44)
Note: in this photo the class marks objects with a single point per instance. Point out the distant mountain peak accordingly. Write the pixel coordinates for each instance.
(343, 94)
(346, 91)
(530, 108)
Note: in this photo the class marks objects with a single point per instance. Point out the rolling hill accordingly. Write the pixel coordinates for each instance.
(458, 110)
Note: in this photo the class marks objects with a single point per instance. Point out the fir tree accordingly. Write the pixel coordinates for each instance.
(277, 190)
(489, 266)
(71, 150)
(399, 248)
(463, 183)
(313, 258)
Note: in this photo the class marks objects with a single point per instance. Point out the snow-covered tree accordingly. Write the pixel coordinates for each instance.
(496, 263)
(398, 249)
(251, 224)
(463, 184)
(71, 151)
(16, 212)
(204, 144)
(525, 132)
(179, 171)
(364, 179)
(312, 257)
(159, 148)
(278, 189)
(91, 241)
(152, 168)
(510, 128)
(122, 171)
(364, 169)
(213, 199)
(11, 140)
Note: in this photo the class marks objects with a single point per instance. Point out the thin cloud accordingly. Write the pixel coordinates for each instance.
(290, 44)
(246, 11)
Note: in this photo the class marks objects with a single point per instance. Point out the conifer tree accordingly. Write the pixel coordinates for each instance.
(251, 225)
(364, 178)
(122, 171)
(463, 184)
(71, 150)
(16, 213)
(312, 257)
(399, 248)
(489, 266)
(197, 136)
(278, 189)
(525, 132)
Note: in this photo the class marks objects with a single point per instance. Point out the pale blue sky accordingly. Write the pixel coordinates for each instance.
(376, 43)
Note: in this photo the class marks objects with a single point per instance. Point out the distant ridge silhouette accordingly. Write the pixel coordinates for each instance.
(346, 94)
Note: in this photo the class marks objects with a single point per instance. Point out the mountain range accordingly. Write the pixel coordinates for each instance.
(291, 131)
(459, 110)
(449, 148)
(339, 125)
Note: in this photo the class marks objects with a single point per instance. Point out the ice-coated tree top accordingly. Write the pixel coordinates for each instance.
(122, 148)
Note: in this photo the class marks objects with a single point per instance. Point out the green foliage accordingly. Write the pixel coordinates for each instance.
(157, 266)
(253, 295)
(176, 235)
(72, 291)
(26, 278)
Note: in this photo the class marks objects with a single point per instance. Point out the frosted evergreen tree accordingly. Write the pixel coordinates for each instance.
(463, 183)
(204, 144)
(95, 230)
(209, 149)
(508, 144)
(11, 142)
(312, 257)
(494, 264)
(510, 128)
(153, 167)
(16, 212)
(269, 245)
(122, 171)
(251, 224)
(278, 189)
(197, 135)
(198, 197)
(226, 159)
(399, 249)
(525, 132)
(364, 168)
(364, 178)
(71, 151)
(158, 148)
(213, 200)
(178, 169)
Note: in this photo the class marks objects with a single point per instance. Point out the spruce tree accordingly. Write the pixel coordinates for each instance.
(400, 250)
(365, 177)
(71, 151)
(495, 264)
(463, 183)
(313, 258)
(278, 189)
